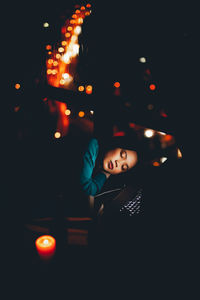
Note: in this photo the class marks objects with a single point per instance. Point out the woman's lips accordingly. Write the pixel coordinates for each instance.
(110, 165)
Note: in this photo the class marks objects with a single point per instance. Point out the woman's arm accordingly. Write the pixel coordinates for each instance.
(106, 173)
(92, 185)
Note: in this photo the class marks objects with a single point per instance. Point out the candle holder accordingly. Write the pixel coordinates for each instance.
(46, 247)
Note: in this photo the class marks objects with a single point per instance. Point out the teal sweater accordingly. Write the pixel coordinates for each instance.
(91, 185)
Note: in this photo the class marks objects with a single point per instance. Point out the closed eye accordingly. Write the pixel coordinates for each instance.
(125, 167)
(123, 154)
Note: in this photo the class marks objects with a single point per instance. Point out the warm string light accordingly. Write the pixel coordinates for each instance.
(59, 59)
(61, 64)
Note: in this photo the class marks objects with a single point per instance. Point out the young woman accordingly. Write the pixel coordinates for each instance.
(116, 156)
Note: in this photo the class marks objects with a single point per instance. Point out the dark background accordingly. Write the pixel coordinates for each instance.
(113, 38)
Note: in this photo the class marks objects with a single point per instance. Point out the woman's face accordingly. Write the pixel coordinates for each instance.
(119, 160)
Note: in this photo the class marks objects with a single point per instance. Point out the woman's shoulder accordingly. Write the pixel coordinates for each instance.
(93, 146)
(93, 142)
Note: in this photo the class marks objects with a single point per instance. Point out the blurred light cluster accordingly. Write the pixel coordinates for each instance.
(61, 61)
(73, 114)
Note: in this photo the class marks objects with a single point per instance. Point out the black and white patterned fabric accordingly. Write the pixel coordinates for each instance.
(132, 207)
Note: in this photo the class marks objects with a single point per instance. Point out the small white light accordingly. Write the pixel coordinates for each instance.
(65, 75)
(162, 133)
(142, 59)
(45, 24)
(66, 58)
(77, 30)
(92, 112)
(149, 133)
(45, 242)
(68, 112)
(74, 39)
(163, 159)
(75, 49)
(57, 134)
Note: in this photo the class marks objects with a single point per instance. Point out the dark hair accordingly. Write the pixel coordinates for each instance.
(129, 142)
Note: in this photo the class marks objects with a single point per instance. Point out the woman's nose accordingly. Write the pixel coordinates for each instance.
(117, 163)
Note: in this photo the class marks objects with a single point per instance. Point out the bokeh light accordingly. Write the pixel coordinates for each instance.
(81, 114)
(149, 133)
(117, 84)
(17, 86)
(142, 60)
(46, 24)
(57, 134)
(152, 87)
(68, 112)
(81, 88)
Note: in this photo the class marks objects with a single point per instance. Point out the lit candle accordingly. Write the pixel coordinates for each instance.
(46, 246)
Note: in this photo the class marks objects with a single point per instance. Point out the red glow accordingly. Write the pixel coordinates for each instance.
(63, 30)
(46, 246)
(168, 137)
(117, 88)
(131, 125)
(163, 114)
(48, 47)
(147, 71)
(119, 133)
(152, 87)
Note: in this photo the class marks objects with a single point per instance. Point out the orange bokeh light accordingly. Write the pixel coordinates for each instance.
(48, 47)
(50, 61)
(81, 88)
(81, 114)
(72, 21)
(67, 35)
(58, 56)
(88, 89)
(156, 164)
(80, 20)
(168, 137)
(17, 86)
(117, 84)
(63, 43)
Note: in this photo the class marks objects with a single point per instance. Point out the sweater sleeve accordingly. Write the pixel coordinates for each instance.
(91, 185)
